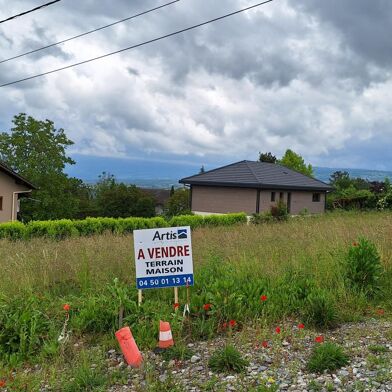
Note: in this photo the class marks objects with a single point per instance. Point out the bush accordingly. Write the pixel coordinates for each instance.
(279, 212)
(327, 356)
(264, 217)
(320, 310)
(12, 230)
(227, 359)
(363, 267)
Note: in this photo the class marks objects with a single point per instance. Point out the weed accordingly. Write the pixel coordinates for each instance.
(377, 349)
(327, 356)
(178, 351)
(227, 359)
(363, 267)
(320, 310)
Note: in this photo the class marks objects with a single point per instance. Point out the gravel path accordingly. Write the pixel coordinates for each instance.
(280, 367)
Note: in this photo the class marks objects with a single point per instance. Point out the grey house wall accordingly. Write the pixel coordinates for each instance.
(223, 200)
(7, 188)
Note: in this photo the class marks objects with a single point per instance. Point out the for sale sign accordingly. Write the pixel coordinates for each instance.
(163, 257)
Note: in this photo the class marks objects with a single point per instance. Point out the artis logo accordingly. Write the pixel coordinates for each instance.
(171, 235)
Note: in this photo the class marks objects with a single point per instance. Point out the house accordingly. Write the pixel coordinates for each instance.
(254, 187)
(12, 188)
(160, 197)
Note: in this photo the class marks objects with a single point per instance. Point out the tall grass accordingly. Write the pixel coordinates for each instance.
(297, 264)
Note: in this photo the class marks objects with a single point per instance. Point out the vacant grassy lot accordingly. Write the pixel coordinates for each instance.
(298, 265)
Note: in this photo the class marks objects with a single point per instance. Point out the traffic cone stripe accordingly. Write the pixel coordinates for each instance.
(165, 335)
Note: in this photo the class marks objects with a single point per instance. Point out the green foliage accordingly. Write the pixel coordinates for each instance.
(195, 221)
(227, 359)
(267, 157)
(178, 203)
(37, 151)
(327, 356)
(179, 352)
(264, 217)
(320, 310)
(118, 200)
(12, 230)
(279, 212)
(295, 162)
(23, 328)
(363, 267)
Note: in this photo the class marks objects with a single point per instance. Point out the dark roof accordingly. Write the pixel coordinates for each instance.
(249, 174)
(160, 195)
(18, 178)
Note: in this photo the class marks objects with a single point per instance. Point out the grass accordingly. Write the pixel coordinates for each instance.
(327, 356)
(297, 264)
(227, 359)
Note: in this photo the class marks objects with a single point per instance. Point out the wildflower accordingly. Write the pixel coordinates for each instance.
(2, 383)
(232, 323)
(224, 325)
(263, 298)
(271, 380)
(207, 307)
(264, 343)
(380, 311)
(277, 330)
(319, 339)
(301, 326)
(66, 307)
(176, 305)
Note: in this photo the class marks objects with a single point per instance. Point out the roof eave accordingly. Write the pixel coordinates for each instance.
(256, 185)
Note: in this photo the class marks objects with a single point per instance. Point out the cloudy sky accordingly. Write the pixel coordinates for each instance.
(313, 76)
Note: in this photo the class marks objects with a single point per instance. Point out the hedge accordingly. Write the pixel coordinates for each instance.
(65, 228)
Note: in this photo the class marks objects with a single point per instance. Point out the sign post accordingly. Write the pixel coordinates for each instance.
(163, 258)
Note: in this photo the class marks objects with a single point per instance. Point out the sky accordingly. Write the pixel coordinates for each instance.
(313, 76)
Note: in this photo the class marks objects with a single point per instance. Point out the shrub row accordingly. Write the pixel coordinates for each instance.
(60, 229)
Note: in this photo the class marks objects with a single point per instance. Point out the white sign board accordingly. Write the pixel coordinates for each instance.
(163, 257)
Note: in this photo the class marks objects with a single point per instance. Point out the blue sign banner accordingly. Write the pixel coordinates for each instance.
(164, 281)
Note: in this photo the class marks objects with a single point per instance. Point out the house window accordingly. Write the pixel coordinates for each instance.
(1, 203)
(281, 196)
(272, 196)
(316, 197)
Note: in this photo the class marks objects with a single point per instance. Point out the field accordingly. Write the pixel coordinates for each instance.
(298, 265)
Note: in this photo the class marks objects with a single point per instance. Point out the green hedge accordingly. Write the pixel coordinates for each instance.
(65, 228)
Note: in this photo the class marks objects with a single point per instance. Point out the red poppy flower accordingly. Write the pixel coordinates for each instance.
(66, 307)
(232, 323)
(207, 307)
(319, 339)
(263, 298)
(380, 312)
(277, 330)
(176, 305)
(264, 344)
(2, 383)
(224, 325)
(301, 326)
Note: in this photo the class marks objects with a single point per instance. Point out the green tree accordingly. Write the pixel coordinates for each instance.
(119, 200)
(294, 161)
(267, 157)
(178, 203)
(37, 150)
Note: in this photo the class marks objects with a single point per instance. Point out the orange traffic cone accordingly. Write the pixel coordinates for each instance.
(165, 335)
(128, 347)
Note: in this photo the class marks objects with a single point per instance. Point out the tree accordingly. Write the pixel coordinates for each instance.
(37, 151)
(340, 179)
(178, 203)
(119, 200)
(267, 157)
(294, 161)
